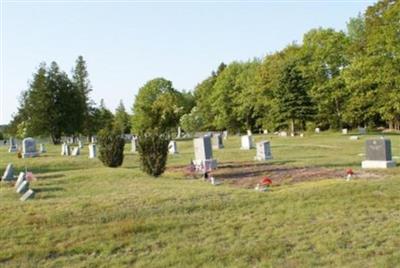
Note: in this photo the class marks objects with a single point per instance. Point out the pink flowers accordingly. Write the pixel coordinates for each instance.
(30, 177)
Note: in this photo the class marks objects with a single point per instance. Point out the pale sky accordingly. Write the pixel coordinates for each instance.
(127, 43)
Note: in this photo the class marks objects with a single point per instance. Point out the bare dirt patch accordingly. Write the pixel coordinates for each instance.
(248, 174)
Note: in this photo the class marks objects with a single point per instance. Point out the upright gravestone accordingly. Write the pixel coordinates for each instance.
(94, 139)
(80, 145)
(225, 134)
(265, 131)
(378, 154)
(134, 144)
(65, 149)
(282, 134)
(172, 148)
(246, 142)
(42, 148)
(249, 132)
(362, 130)
(263, 151)
(203, 154)
(344, 131)
(29, 148)
(317, 130)
(76, 151)
(218, 142)
(8, 173)
(13, 146)
(92, 150)
(179, 134)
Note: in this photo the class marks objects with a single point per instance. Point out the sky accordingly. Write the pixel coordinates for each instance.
(126, 42)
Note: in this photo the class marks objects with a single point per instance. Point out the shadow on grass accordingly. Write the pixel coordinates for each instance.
(48, 189)
(55, 176)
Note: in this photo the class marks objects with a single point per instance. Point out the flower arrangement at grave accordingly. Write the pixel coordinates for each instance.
(264, 184)
(349, 174)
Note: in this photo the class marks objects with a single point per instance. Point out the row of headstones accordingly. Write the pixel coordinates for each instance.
(345, 131)
(21, 185)
(66, 150)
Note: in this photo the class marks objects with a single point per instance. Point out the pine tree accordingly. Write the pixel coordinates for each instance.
(122, 122)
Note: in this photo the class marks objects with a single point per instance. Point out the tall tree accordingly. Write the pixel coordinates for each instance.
(122, 122)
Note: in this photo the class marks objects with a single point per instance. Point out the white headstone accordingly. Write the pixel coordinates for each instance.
(20, 179)
(225, 134)
(178, 136)
(217, 141)
(249, 132)
(80, 145)
(263, 151)
(354, 138)
(76, 151)
(134, 144)
(203, 154)
(317, 130)
(29, 148)
(92, 150)
(65, 149)
(246, 142)
(23, 187)
(8, 173)
(13, 145)
(42, 148)
(265, 131)
(28, 194)
(344, 131)
(172, 148)
(282, 134)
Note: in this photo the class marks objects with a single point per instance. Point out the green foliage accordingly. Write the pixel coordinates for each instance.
(122, 122)
(153, 152)
(158, 106)
(111, 147)
(192, 121)
(1, 136)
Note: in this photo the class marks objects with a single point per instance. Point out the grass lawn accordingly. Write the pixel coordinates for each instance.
(86, 215)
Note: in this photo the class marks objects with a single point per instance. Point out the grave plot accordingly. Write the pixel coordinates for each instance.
(248, 174)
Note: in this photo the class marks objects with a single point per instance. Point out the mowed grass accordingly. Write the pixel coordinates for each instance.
(86, 215)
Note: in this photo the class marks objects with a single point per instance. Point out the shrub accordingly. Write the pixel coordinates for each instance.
(153, 152)
(111, 148)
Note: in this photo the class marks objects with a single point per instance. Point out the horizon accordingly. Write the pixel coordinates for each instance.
(141, 41)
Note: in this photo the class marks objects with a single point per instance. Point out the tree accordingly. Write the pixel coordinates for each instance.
(81, 81)
(122, 122)
(111, 147)
(156, 107)
(104, 116)
(192, 121)
(292, 99)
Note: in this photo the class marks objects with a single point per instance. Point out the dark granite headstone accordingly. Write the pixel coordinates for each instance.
(378, 150)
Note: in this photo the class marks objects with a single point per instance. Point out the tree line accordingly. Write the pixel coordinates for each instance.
(333, 79)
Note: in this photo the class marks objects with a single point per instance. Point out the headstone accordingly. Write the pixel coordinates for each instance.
(29, 148)
(344, 131)
(378, 154)
(301, 135)
(282, 134)
(218, 142)
(23, 187)
(203, 154)
(225, 134)
(13, 146)
(94, 139)
(20, 179)
(8, 173)
(317, 130)
(42, 148)
(134, 144)
(362, 130)
(292, 134)
(65, 149)
(28, 194)
(172, 148)
(249, 132)
(80, 144)
(354, 138)
(263, 151)
(265, 131)
(246, 142)
(92, 150)
(76, 151)
(179, 134)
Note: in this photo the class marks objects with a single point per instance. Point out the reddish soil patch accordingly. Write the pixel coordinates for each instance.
(248, 174)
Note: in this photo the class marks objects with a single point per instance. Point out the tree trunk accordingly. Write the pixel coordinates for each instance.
(292, 125)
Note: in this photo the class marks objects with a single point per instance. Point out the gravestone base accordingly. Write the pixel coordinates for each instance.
(261, 158)
(205, 165)
(28, 155)
(378, 164)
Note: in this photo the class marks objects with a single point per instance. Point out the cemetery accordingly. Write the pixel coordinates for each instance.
(135, 212)
(204, 134)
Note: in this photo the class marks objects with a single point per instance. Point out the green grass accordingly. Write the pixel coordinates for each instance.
(86, 215)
